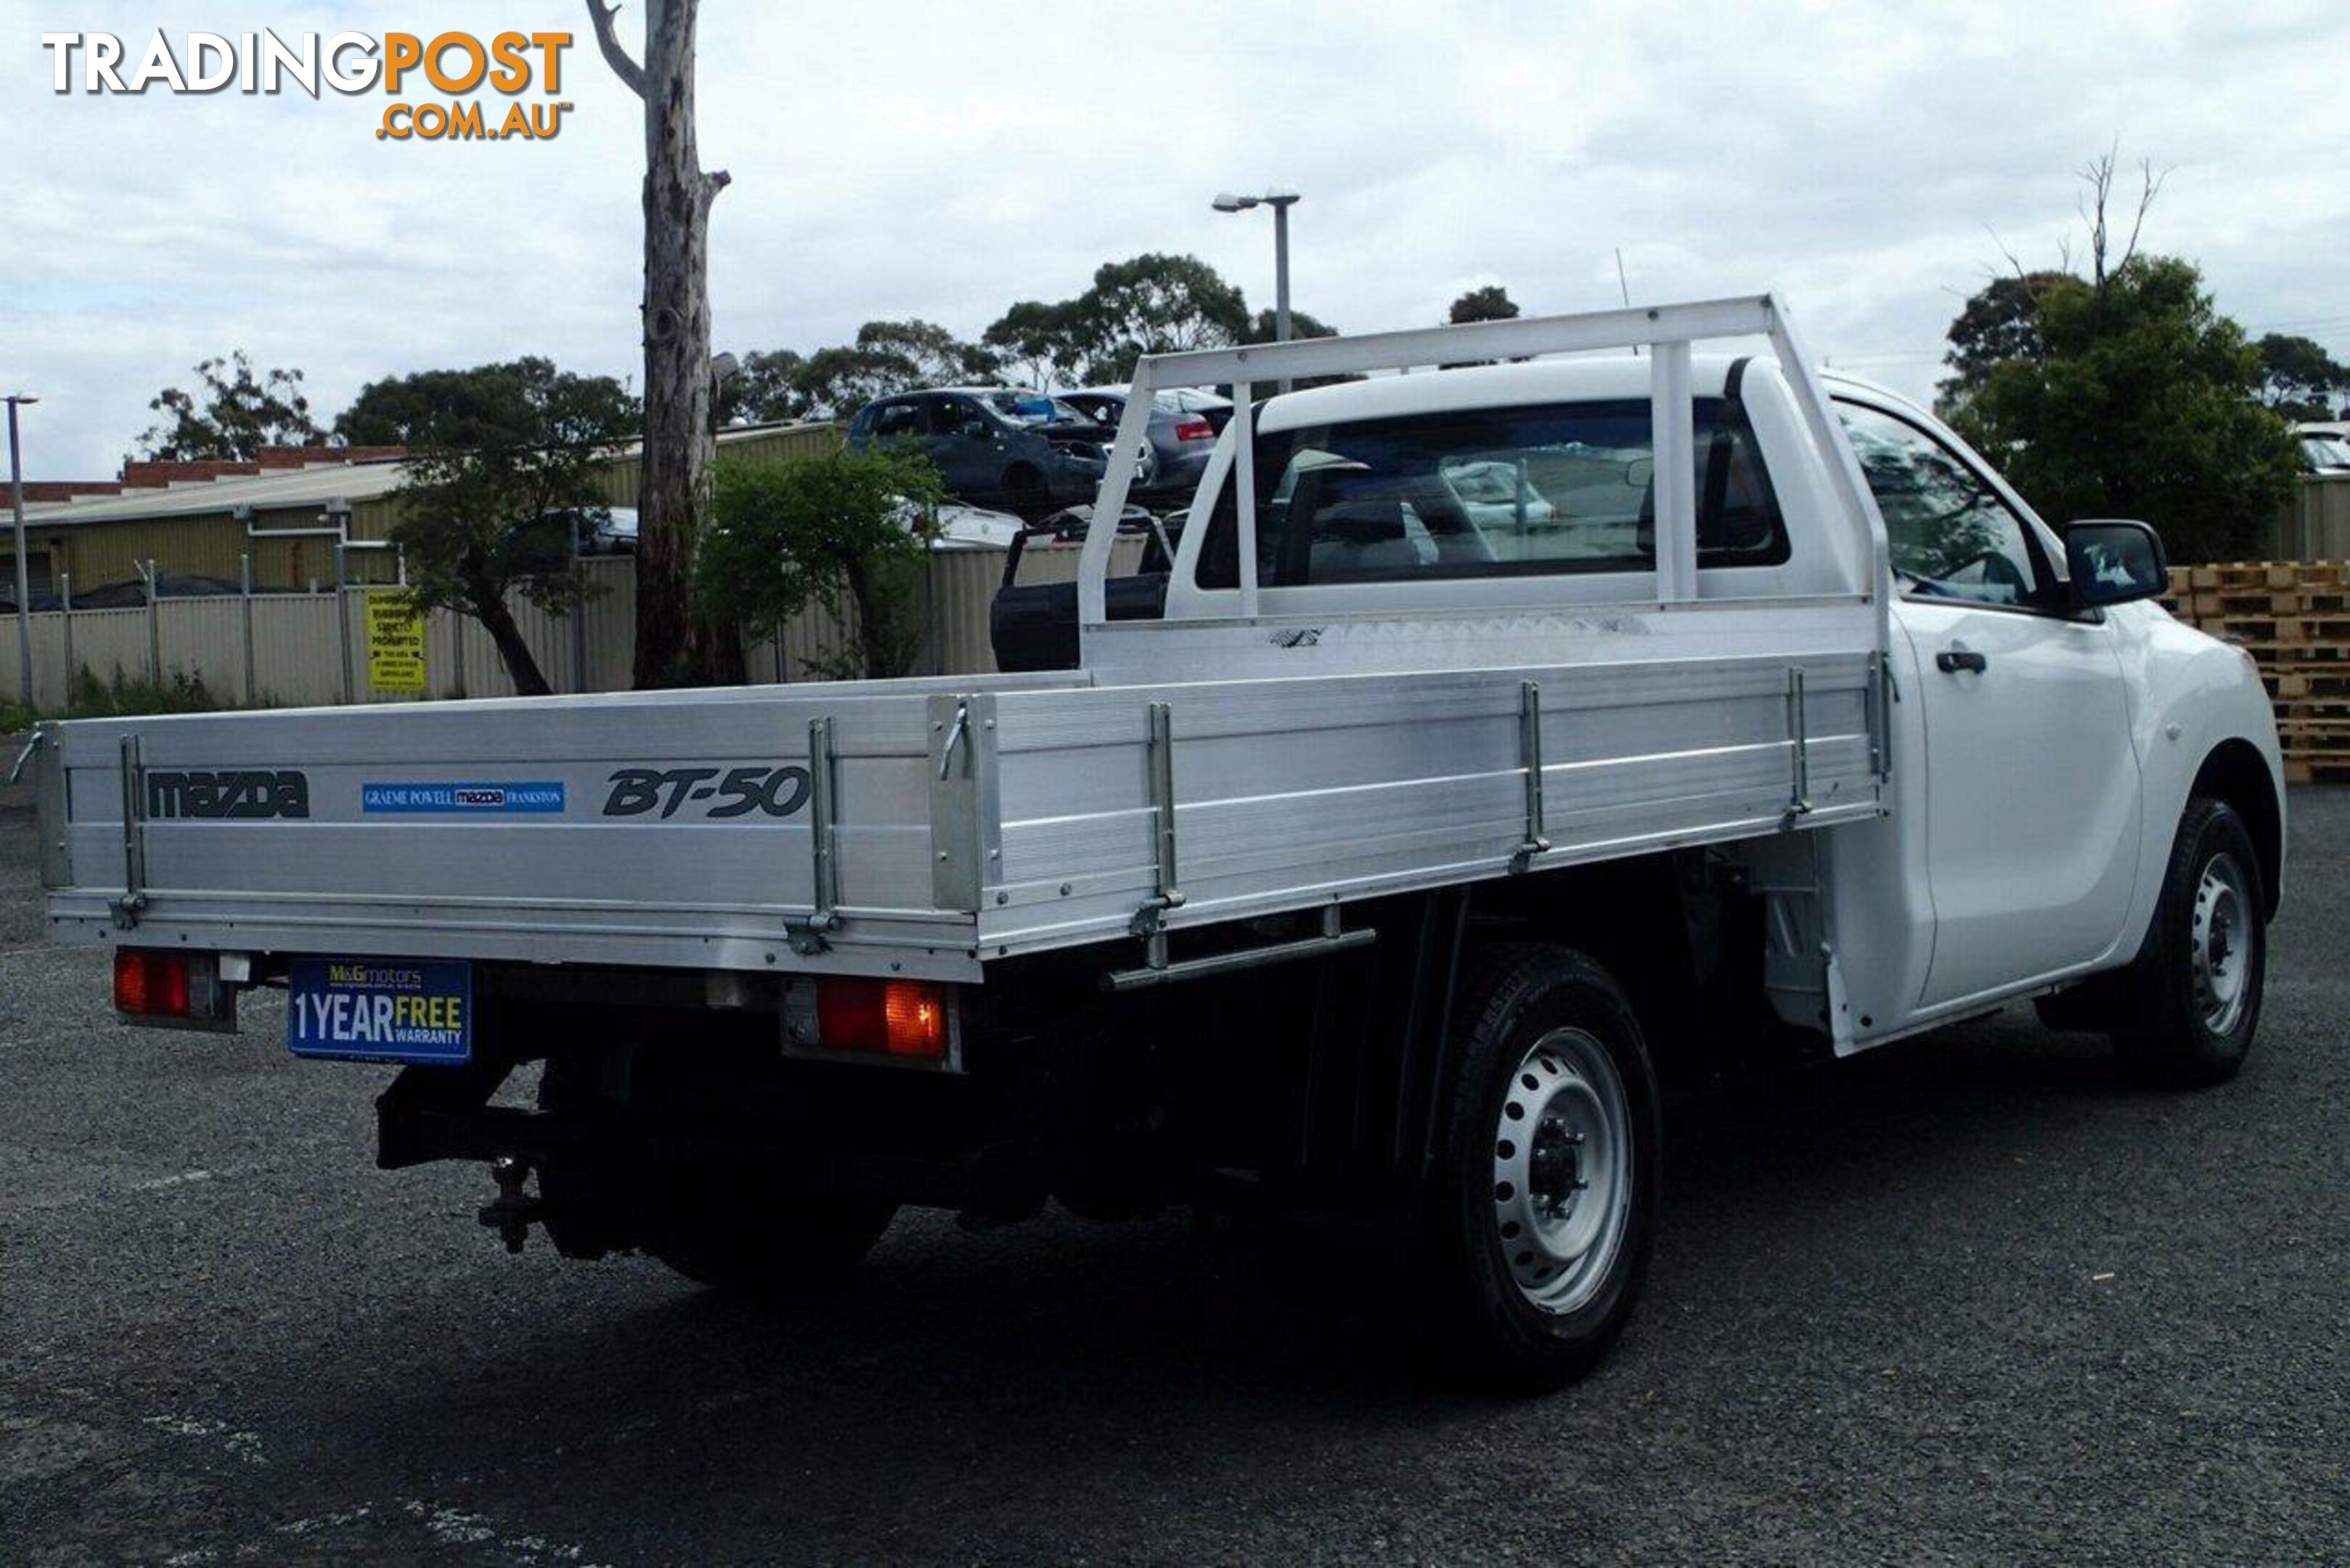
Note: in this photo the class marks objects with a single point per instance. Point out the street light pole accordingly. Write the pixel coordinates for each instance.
(24, 582)
(1280, 199)
(1281, 269)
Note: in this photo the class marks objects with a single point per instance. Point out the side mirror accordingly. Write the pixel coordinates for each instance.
(2113, 562)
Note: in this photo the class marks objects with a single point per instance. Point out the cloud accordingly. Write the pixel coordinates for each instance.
(942, 161)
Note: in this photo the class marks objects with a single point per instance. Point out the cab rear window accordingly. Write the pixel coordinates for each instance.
(1484, 493)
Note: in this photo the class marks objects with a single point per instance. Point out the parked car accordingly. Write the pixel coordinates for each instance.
(1183, 428)
(997, 446)
(958, 526)
(2324, 447)
(580, 530)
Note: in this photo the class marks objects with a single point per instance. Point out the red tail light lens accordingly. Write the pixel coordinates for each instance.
(889, 1018)
(1194, 428)
(150, 984)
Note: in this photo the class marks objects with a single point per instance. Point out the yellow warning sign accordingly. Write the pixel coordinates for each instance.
(395, 640)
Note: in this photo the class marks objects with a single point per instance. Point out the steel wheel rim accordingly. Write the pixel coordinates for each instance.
(2221, 946)
(1562, 1179)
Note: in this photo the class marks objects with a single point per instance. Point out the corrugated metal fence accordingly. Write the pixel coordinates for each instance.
(2316, 526)
(308, 651)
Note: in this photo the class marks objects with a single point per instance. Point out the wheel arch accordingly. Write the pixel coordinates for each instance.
(2237, 774)
(1639, 919)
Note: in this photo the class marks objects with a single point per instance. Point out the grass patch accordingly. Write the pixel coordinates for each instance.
(124, 696)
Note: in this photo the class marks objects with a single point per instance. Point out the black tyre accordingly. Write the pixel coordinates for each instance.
(2193, 997)
(1024, 494)
(763, 1240)
(1543, 1210)
(771, 1245)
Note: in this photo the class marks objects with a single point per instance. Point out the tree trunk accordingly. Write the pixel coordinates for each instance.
(522, 665)
(872, 637)
(674, 646)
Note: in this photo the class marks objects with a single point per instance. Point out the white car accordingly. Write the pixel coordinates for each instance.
(954, 526)
(1386, 851)
(2325, 446)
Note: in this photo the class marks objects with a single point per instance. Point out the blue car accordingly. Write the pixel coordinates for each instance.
(1003, 447)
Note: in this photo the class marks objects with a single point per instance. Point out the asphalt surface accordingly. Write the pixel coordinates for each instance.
(1968, 1298)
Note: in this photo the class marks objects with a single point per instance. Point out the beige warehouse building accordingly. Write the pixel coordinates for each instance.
(285, 511)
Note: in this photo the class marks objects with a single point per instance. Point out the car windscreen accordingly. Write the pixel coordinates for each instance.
(1030, 408)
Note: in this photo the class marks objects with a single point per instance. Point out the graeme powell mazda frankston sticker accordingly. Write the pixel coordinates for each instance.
(380, 1010)
(434, 799)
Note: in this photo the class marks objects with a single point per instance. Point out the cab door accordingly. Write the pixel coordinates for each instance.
(968, 449)
(2031, 792)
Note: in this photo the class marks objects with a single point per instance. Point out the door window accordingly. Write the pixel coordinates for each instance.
(946, 416)
(1950, 534)
(893, 420)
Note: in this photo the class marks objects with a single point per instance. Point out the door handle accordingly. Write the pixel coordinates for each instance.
(1949, 661)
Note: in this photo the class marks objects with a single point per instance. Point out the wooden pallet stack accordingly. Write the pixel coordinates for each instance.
(2294, 618)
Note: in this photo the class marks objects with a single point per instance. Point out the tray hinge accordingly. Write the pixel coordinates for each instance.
(808, 936)
(1882, 695)
(126, 909)
(1529, 758)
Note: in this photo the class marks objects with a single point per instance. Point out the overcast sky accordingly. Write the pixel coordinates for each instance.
(943, 159)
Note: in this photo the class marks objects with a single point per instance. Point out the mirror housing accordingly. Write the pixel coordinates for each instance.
(2112, 561)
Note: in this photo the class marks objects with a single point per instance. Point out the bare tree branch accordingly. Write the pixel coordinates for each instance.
(2149, 187)
(631, 74)
(2098, 176)
(2012, 259)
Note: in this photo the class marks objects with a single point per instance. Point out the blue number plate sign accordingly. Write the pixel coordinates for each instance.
(380, 1010)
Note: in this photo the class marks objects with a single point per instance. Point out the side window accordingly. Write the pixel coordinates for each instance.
(897, 421)
(1481, 493)
(1950, 534)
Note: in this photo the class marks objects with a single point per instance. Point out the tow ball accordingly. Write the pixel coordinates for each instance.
(513, 1212)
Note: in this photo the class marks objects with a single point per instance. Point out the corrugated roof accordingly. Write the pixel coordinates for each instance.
(265, 492)
(290, 487)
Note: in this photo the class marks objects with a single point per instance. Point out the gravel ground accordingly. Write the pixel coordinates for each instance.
(1971, 1297)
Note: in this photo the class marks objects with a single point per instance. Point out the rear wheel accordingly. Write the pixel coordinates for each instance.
(2193, 997)
(767, 1243)
(1544, 1207)
(715, 1225)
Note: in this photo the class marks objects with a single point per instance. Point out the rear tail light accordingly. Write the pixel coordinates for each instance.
(148, 984)
(179, 990)
(908, 1020)
(1195, 428)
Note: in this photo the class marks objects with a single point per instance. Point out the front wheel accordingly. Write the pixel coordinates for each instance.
(1545, 1205)
(2192, 999)
(1024, 492)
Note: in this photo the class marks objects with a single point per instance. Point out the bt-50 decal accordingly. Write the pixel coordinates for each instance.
(770, 790)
